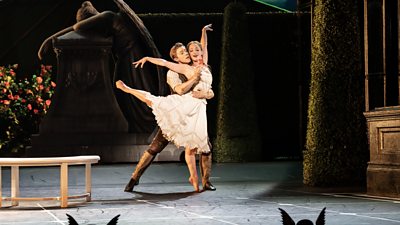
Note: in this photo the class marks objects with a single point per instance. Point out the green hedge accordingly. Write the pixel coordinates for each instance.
(238, 136)
(336, 147)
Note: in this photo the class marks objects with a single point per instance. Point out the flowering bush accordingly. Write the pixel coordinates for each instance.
(23, 103)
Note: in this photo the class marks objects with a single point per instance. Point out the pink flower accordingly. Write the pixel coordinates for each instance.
(41, 87)
(53, 84)
(39, 80)
(48, 102)
(16, 97)
(35, 111)
(29, 106)
(6, 102)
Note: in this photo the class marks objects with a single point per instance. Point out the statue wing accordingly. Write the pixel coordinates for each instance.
(147, 38)
(321, 217)
(286, 219)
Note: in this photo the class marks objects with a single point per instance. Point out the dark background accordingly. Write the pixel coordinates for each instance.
(280, 52)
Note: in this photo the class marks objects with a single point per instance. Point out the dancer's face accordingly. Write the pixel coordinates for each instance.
(182, 55)
(197, 61)
(195, 53)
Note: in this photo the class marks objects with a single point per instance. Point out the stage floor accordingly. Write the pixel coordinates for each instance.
(247, 194)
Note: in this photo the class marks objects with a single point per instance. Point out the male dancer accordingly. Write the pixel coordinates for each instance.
(180, 85)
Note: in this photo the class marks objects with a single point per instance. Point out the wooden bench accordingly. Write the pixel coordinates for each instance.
(63, 162)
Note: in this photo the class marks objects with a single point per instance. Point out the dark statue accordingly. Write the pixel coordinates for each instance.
(131, 41)
(88, 114)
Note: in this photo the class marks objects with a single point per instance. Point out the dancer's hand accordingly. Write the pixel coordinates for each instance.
(208, 27)
(120, 84)
(140, 62)
(198, 94)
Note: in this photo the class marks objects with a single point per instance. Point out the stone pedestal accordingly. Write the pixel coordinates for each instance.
(383, 173)
(84, 117)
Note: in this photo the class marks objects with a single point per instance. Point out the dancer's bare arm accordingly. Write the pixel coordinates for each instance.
(204, 42)
(186, 86)
(179, 68)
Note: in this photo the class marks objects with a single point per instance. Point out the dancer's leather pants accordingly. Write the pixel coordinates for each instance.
(157, 145)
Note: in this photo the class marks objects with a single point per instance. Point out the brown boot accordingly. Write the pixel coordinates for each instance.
(156, 146)
(205, 171)
(142, 165)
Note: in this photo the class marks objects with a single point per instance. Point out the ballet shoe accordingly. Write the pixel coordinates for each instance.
(195, 184)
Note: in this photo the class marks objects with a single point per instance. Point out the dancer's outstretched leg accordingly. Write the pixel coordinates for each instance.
(141, 95)
(190, 159)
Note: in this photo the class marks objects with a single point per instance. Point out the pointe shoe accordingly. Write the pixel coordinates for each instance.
(129, 187)
(195, 184)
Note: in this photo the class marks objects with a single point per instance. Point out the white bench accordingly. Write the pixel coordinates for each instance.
(63, 162)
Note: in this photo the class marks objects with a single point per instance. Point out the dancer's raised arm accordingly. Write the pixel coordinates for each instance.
(179, 68)
(204, 42)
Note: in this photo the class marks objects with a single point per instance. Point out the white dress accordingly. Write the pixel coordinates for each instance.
(183, 118)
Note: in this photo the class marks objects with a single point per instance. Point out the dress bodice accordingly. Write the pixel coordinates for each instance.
(205, 82)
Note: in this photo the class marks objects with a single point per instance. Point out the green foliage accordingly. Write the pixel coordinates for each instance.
(336, 146)
(238, 137)
(22, 105)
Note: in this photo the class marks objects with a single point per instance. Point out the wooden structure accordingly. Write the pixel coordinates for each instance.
(63, 163)
(382, 95)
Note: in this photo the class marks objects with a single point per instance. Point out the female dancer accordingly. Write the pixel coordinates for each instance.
(182, 118)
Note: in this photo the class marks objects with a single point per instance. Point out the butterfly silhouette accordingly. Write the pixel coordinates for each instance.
(287, 220)
(72, 221)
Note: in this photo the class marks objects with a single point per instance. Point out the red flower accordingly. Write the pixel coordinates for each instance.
(35, 111)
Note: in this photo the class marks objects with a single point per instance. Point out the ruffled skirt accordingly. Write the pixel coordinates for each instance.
(182, 119)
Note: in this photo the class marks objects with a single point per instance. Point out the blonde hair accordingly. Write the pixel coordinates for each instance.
(172, 52)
